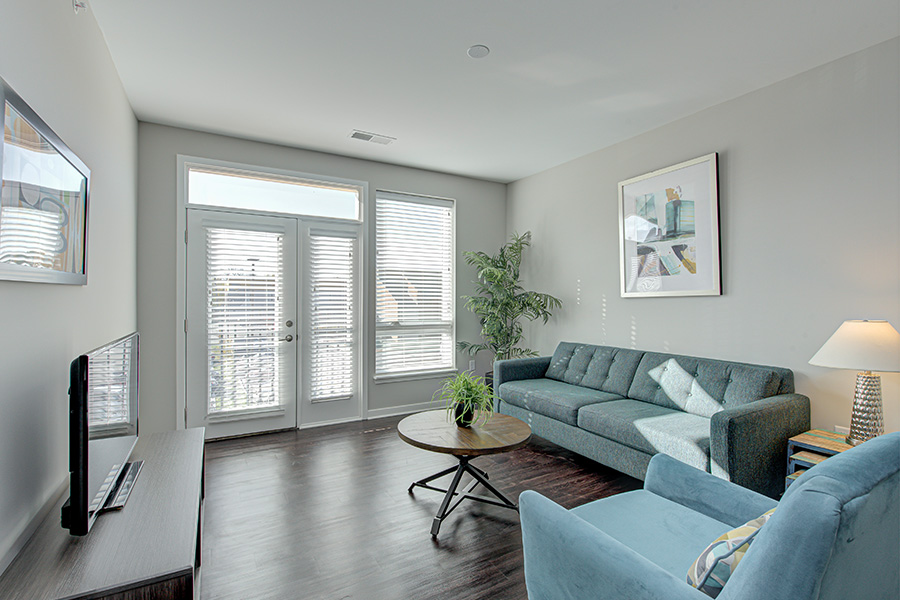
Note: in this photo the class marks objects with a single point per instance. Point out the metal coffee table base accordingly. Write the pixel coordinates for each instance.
(478, 475)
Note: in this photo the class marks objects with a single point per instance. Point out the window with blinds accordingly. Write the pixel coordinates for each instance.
(112, 389)
(244, 314)
(414, 305)
(332, 320)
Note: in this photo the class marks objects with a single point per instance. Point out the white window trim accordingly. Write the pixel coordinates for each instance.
(434, 201)
(419, 375)
(183, 162)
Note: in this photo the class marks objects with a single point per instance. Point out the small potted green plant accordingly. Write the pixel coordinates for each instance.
(467, 397)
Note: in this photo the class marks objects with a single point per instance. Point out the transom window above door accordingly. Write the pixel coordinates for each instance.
(228, 187)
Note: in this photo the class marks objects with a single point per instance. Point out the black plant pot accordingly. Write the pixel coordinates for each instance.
(463, 416)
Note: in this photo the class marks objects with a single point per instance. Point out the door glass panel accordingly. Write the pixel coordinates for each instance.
(332, 317)
(245, 311)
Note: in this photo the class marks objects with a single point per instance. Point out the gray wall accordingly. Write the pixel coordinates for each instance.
(58, 62)
(480, 218)
(810, 214)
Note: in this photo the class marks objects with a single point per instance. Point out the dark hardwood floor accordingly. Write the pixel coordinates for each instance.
(324, 514)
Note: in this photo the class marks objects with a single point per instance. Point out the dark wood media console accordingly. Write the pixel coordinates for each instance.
(149, 549)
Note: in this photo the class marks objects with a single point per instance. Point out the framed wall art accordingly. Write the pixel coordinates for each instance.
(669, 231)
(43, 200)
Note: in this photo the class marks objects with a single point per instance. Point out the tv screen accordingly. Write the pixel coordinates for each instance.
(103, 429)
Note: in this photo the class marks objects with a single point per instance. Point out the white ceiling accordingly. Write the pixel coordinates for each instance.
(564, 77)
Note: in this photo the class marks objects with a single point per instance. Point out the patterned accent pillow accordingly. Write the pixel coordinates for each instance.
(718, 561)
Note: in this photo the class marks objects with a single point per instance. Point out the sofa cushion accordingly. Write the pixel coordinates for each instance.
(603, 368)
(612, 369)
(551, 398)
(702, 386)
(650, 428)
(713, 568)
(664, 532)
(569, 362)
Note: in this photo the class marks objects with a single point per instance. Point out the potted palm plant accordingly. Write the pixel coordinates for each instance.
(467, 397)
(501, 302)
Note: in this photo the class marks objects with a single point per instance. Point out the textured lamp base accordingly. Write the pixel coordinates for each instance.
(867, 419)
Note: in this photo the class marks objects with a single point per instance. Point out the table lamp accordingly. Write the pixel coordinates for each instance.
(865, 346)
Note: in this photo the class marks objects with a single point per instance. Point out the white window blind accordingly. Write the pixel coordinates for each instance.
(244, 316)
(111, 376)
(332, 316)
(414, 307)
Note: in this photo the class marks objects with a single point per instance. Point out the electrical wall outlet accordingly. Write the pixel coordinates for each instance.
(841, 429)
(472, 365)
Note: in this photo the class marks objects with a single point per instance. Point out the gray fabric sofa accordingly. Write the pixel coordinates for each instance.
(620, 407)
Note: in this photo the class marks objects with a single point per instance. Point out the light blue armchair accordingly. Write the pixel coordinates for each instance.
(834, 536)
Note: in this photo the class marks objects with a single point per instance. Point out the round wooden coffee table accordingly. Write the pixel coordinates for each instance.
(434, 430)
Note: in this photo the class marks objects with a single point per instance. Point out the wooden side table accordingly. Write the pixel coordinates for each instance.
(809, 449)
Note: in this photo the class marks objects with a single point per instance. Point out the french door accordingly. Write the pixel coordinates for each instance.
(272, 323)
(241, 323)
(331, 344)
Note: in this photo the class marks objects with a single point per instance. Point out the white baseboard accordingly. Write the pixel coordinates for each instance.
(405, 409)
(380, 413)
(33, 524)
(331, 422)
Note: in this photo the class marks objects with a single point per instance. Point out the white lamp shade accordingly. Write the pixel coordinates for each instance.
(862, 346)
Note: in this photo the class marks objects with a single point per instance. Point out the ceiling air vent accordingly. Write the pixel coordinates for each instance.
(365, 136)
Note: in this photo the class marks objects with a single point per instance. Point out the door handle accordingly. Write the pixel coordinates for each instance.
(287, 338)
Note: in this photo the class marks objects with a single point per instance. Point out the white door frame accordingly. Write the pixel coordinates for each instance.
(181, 207)
(330, 411)
(248, 420)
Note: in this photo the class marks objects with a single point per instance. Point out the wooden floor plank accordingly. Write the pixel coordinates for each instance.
(324, 514)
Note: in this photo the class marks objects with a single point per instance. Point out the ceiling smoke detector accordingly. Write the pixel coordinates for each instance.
(375, 138)
(478, 51)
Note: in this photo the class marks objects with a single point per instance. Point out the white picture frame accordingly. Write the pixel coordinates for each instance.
(669, 231)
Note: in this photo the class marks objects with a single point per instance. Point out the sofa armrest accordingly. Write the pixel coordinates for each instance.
(518, 368)
(566, 558)
(748, 443)
(703, 492)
